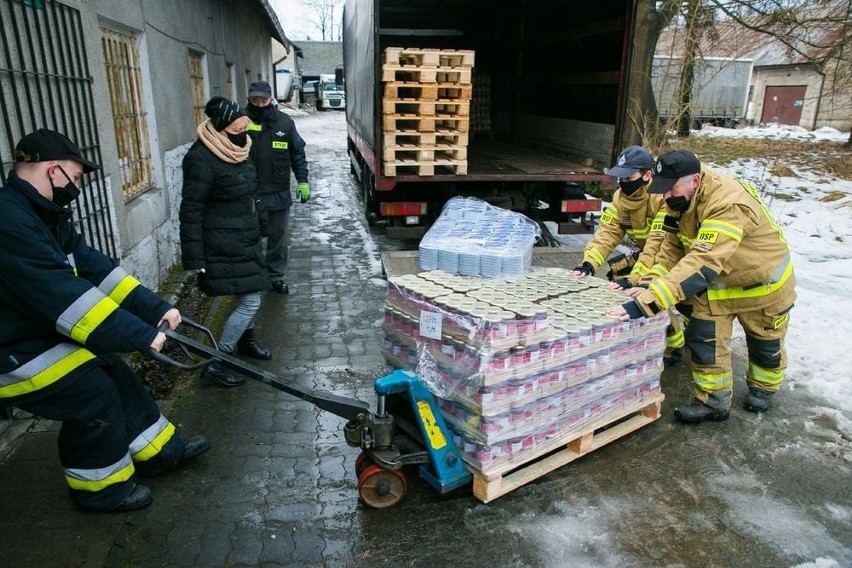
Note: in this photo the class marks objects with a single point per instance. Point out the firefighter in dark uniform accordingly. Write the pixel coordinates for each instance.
(65, 311)
(276, 149)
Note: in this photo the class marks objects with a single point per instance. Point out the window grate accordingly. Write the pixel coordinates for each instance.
(124, 80)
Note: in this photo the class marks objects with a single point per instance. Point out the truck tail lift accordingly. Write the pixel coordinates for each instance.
(413, 433)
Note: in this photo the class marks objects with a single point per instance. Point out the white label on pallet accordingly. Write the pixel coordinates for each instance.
(430, 324)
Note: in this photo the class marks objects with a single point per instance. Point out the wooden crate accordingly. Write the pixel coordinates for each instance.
(493, 483)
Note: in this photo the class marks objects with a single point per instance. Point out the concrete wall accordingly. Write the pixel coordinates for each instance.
(222, 33)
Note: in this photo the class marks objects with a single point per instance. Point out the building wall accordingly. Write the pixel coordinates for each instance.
(781, 77)
(835, 109)
(223, 33)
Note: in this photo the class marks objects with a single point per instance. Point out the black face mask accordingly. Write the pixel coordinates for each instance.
(238, 139)
(628, 188)
(679, 203)
(64, 195)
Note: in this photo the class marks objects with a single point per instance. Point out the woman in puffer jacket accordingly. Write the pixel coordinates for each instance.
(220, 227)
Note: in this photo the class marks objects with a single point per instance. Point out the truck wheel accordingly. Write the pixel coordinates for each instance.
(368, 194)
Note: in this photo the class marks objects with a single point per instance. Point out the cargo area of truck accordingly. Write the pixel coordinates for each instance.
(548, 75)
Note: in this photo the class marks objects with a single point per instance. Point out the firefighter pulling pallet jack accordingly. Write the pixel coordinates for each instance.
(415, 433)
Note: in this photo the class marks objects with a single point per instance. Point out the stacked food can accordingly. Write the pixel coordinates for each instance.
(521, 361)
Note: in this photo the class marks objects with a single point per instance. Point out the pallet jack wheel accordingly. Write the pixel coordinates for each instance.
(380, 488)
(362, 462)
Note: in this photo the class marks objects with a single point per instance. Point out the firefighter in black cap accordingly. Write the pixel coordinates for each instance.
(66, 309)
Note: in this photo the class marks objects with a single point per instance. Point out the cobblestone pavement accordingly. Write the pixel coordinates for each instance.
(278, 486)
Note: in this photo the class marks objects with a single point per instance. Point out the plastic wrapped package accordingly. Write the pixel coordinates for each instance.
(474, 238)
(520, 362)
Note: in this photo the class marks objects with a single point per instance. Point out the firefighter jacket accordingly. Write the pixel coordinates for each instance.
(276, 149)
(220, 224)
(728, 253)
(61, 302)
(631, 215)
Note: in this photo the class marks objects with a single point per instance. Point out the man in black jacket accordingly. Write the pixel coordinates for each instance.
(276, 149)
(66, 309)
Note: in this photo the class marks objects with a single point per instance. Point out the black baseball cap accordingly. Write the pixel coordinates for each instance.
(672, 166)
(631, 160)
(44, 145)
(260, 89)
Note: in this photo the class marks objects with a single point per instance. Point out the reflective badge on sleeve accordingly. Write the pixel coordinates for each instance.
(707, 236)
(277, 145)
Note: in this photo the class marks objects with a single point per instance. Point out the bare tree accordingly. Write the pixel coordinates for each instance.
(326, 17)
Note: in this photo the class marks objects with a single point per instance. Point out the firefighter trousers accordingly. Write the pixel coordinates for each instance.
(109, 422)
(708, 337)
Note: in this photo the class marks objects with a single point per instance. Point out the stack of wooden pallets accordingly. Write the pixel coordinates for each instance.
(426, 110)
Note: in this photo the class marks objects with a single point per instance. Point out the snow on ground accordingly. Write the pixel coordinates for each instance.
(775, 132)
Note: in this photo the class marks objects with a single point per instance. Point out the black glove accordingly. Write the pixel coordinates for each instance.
(624, 283)
(586, 268)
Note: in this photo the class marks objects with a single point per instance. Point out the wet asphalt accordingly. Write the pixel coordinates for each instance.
(278, 487)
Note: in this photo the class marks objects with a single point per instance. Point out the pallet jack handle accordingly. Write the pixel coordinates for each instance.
(348, 408)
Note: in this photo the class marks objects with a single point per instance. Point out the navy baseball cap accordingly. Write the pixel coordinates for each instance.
(631, 160)
(44, 145)
(672, 166)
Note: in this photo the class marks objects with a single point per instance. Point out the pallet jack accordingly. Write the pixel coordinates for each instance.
(406, 428)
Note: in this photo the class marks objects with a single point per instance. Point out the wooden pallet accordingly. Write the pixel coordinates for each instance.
(420, 168)
(423, 153)
(608, 428)
(395, 122)
(417, 138)
(397, 73)
(434, 57)
(426, 107)
(427, 91)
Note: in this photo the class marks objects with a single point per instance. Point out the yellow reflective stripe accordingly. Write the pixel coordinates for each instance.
(278, 145)
(765, 376)
(640, 269)
(716, 226)
(118, 284)
(639, 234)
(713, 381)
(685, 241)
(658, 270)
(151, 442)
(675, 340)
(595, 256)
(719, 294)
(82, 317)
(665, 297)
(254, 127)
(44, 370)
(100, 478)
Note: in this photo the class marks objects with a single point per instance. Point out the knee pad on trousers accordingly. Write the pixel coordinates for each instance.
(701, 339)
(764, 352)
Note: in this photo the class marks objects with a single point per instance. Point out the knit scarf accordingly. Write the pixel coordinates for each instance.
(218, 143)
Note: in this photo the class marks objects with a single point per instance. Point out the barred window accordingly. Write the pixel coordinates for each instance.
(196, 80)
(124, 80)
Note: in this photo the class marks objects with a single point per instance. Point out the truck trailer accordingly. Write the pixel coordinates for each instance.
(719, 89)
(548, 99)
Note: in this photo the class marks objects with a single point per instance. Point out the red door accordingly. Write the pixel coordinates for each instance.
(783, 105)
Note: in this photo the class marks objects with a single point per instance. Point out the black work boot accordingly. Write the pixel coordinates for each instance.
(215, 372)
(672, 356)
(758, 400)
(280, 287)
(697, 411)
(139, 498)
(248, 346)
